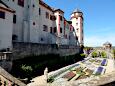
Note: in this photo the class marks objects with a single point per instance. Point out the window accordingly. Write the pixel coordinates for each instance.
(41, 39)
(51, 17)
(54, 18)
(14, 19)
(55, 29)
(21, 3)
(66, 36)
(45, 28)
(51, 31)
(76, 38)
(61, 18)
(39, 11)
(14, 37)
(77, 29)
(60, 30)
(34, 23)
(33, 5)
(2, 14)
(47, 15)
(82, 38)
(28, 6)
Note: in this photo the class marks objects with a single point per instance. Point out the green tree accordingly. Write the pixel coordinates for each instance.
(94, 54)
(83, 55)
(103, 54)
(27, 70)
(114, 52)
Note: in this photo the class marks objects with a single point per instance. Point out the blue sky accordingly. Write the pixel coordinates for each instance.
(99, 18)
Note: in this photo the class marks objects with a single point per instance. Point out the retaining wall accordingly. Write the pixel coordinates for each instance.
(21, 50)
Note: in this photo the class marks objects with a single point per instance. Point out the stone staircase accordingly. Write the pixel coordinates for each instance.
(7, 79)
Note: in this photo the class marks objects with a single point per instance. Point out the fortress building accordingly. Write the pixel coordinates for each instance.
(33, 21)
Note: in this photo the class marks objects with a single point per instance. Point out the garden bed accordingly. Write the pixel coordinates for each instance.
(69, 75)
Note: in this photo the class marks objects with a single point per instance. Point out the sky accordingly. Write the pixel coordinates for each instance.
(99, 18)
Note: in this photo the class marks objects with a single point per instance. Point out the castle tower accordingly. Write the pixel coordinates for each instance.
(77, 23)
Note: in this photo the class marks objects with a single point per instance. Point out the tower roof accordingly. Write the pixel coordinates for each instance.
(77, 11)
(107, 43)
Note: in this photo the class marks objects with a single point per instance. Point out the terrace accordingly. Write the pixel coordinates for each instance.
(85, 69)
(82, 71)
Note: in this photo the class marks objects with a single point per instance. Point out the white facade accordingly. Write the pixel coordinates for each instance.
(36, 22)
(77, 23)
(6, 27)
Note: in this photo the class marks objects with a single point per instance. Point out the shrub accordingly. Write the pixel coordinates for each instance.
(103, 54)
(114, 53)
(82, 55)
(27, 70)
(50, 80)
(94, 54)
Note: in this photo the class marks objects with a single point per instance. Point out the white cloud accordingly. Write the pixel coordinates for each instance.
(99, 40)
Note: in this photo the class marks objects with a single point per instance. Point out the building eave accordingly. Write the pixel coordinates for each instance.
(45, 5)
(59, 10)
(3, 6)
(7, 9)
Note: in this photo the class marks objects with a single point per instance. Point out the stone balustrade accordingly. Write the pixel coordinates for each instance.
(7, 79)
(5, 55)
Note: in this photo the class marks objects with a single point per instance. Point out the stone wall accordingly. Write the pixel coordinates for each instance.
(7, 65)
(21, 49)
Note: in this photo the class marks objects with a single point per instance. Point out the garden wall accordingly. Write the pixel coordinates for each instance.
(21, 49)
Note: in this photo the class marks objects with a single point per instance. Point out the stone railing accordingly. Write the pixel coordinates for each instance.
(5, 55)
(7, 79)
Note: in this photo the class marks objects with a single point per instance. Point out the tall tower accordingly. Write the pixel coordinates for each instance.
(77, 23)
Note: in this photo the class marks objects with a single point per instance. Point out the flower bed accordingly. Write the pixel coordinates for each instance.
(91, 60)
(62, 70)
(86, 74)
(69, 75)
(82, 77)
(89, 71)
(78, 69)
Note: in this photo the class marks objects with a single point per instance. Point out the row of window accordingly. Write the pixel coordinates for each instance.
(52, 30)
(48, 16)
(51, 17)
(2, 15)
